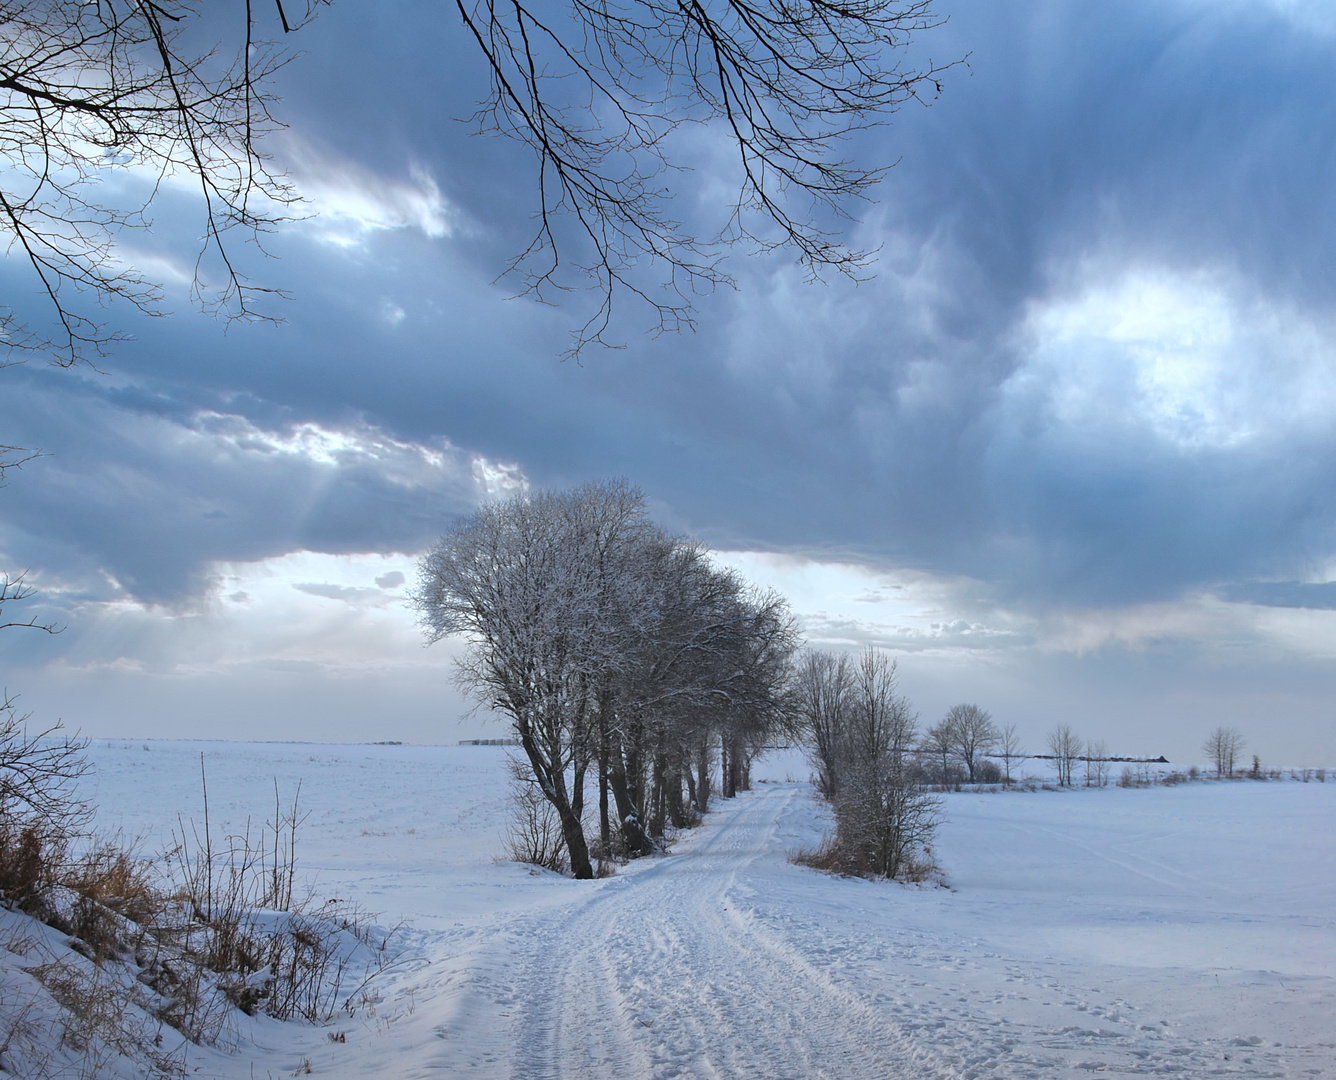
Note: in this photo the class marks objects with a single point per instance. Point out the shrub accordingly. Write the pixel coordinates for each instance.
(22, 866)
(535, 835)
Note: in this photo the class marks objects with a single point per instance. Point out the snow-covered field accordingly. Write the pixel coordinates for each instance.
(1187, 930)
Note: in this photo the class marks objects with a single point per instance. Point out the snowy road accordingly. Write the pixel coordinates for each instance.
(662, 974)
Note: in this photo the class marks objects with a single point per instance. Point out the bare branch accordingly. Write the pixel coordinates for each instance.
(13, 589)
(91, 88)
(786, 84)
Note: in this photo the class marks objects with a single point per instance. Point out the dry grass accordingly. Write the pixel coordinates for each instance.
(181, 943)
(833, 857)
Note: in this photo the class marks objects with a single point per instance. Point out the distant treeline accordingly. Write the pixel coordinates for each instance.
(1161, 760)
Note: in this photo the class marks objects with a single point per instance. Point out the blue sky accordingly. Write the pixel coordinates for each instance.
(1069, 453)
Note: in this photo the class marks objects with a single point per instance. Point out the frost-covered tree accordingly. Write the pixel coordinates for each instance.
(529, 582)
(612, 648)
(884, 816)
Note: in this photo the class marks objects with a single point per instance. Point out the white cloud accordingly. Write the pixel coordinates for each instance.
(350, 201)
(355, 445)
(1181, 357)
(844, 604)
(324, 612)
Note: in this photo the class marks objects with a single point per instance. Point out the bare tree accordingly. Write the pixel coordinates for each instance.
(940, 742)
(822, 689)
(1222, 747)
(974, 734)
(39, 774)
(14, 589)
(1065, 746)
(884, 818)
(1097, 763)
(1008, 749)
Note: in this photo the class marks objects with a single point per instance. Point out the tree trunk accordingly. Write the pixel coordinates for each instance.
(604, 828)
(572, 829)
(628, 814)
(676, 812)
(703, 776)
(657, 799)
(546, 758)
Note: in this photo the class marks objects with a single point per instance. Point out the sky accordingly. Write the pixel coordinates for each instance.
(1068, 453)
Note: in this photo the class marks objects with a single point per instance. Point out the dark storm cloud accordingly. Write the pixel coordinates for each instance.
(916, 418)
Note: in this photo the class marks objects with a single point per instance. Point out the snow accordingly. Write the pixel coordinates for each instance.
(1183, 930)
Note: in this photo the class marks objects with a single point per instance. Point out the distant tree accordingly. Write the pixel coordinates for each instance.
(1008, 749)
(822, 689)
(939, 742)
(1222, 748)
(1066, 747)
(974, 733)
(1096, 762)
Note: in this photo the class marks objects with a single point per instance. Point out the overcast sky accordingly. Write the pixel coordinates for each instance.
(1070, 454)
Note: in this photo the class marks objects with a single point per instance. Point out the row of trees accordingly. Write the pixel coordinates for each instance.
(626, 660)
(618, 653)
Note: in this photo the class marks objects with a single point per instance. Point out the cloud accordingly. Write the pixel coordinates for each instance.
(1318, 596)
(261, 653)
(1191, 360)
(1076, 434)
(148, 488)
(352, 595)
(348, 200)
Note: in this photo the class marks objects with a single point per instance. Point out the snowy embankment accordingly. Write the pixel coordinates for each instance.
(1185, 930)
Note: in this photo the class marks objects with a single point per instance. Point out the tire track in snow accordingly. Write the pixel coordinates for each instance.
(661, 975)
